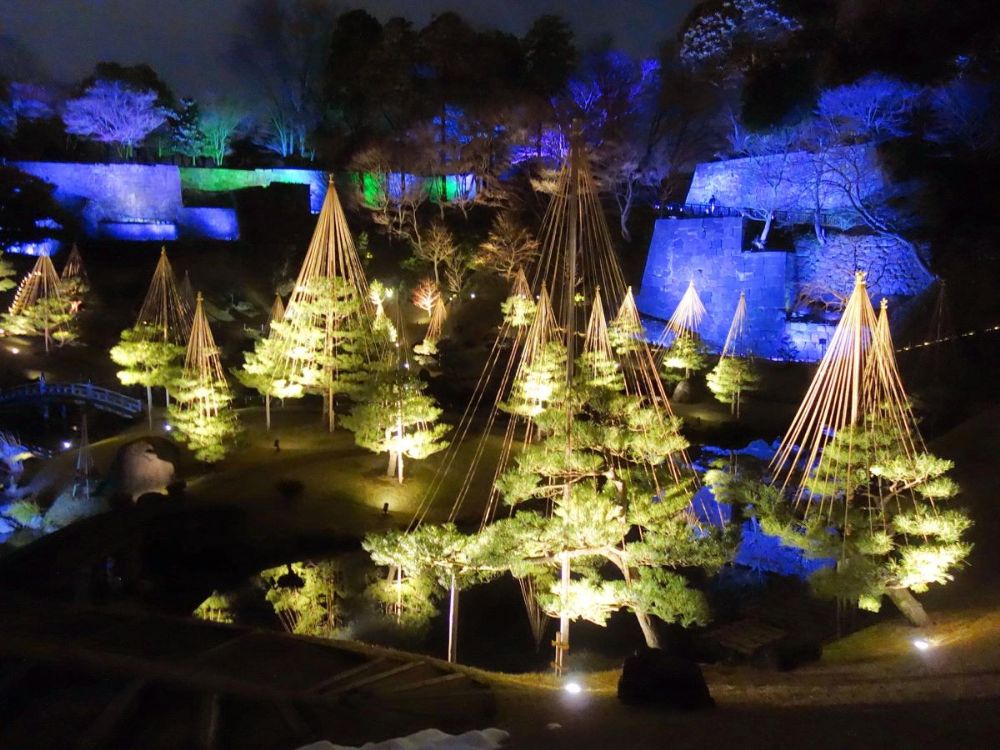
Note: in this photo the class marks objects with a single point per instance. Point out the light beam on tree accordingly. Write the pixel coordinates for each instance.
(734, 374)
(854, 465)
(201, 413)
(311, 336)
(39, 307)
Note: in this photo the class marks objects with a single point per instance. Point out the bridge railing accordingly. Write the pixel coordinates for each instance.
(84, 391)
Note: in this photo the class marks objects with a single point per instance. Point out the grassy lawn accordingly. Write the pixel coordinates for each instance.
(341, 487)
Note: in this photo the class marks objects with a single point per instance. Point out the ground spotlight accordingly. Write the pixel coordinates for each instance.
(921, 644)
(168, 427)
(573, 687)
(66, 444)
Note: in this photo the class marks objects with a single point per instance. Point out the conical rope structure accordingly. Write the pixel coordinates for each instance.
(857, 377)
(39, 296)
(201, 413)
(736, 344)
(164, 309)
(277, 312)
(41, 282)
(324, 330)
(862, 487)
(734, 374)
(439, 314)
(74, 268)
(546, 336)
(687, 316)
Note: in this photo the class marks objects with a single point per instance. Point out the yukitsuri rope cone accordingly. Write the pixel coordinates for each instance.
(39, 307)
(74, 268)
(201, 413)
(857, 475)
(556, 339)
(734, 373)
(323, 340)
(164, 307)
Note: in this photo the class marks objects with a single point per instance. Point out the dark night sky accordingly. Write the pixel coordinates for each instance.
(186, 40)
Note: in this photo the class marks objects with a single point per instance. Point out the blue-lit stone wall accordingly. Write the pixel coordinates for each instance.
(709, 251)
(134, 202)
(785, 181)
(104, 196)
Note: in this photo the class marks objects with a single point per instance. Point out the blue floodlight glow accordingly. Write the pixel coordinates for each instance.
(43, 247)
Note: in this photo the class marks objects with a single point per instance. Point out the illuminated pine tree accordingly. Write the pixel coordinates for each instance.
(685, 351)
(262, 366)
(394, 415)
(326, 331)
(74, 282)
(609, 500)
(201, 414)
(600, 510)
(322, 343)
(151, 352)
(734, 374)
(7, 273)
(40, 308)
(864, 490)
(146, 359)
(262, 371)
(518, 309)
(441, 558)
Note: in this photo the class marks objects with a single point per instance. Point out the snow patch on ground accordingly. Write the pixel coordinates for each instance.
(428, 739)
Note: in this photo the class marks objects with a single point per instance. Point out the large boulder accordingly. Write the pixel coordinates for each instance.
(683, 392)
(653, 677)
(140, 469)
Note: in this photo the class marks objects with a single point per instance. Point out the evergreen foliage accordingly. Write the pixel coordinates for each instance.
(202, 417)
(323, 342)
(685, 355)
(306, 597)
(611, 502)
(146, 359)
(201, 413)
(216, 608)
(7, 272)
(51, 315)
(393, 414)
(730, 379)
(886, 526)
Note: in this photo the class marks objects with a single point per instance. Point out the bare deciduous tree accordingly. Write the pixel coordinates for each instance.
(111, 112)
(508, 247)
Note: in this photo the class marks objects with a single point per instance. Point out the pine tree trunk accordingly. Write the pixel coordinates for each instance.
(399, 454)
(149, 404)
(391, 468)
(909, 607)
(648, 627)
(562, 637)
(267, 411)
(329, 407)
(453, 620)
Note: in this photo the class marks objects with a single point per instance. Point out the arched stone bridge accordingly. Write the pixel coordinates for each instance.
(77, 393)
